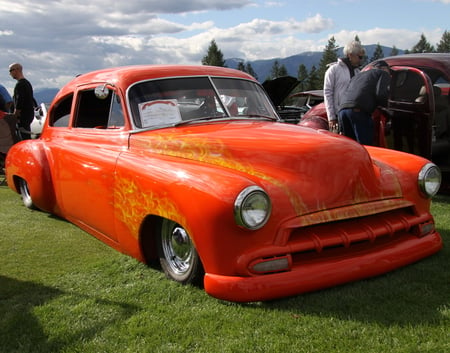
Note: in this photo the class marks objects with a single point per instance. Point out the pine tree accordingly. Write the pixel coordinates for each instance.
(364, 61)
(314, 81)
(277, 70)
(394, 51)
(214, 56)
(378, 53)
(302, 76)
(249, 70)
(422, 46)
(274, 70)
(329, 56)
(246, 68)
(444, 45)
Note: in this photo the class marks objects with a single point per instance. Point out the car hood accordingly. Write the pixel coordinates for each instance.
(316, 169)
(279, 88)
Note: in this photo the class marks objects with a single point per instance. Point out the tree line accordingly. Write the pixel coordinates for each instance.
(313, 79)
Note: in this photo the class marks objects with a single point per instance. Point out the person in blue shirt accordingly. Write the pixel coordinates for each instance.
(5, 100)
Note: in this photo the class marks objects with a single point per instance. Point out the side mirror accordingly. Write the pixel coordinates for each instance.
(101, 92)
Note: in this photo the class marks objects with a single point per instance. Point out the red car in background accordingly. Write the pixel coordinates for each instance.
(417, 119)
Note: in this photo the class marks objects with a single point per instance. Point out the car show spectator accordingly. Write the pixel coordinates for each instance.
(5, 99)
(366, 91)
(337, 77)
(23, 100)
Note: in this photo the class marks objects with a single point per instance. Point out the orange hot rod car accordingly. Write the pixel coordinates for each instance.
(190, 166)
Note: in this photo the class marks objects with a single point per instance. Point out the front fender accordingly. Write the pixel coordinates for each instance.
(28, 160)
(162, 188)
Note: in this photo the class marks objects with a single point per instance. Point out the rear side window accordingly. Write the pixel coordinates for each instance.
(60, 115)
(94, 112)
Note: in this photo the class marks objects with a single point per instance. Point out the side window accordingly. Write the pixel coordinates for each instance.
(60, 115)
(406, 86)
(92, 112)
(116, 118)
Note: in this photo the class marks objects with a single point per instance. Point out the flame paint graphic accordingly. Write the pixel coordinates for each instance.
(213, 152)
(133, 204)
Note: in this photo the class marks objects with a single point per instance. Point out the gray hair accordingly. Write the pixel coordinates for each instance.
(353, 47)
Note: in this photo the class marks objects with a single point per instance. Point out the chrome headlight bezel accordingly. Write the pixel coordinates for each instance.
(429, 180)
(252, 208)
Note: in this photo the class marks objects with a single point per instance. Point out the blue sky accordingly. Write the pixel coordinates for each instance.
(58, 39)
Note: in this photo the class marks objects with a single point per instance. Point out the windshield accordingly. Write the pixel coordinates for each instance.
(166, 102)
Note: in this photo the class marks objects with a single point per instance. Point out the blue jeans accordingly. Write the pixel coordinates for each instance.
(357, 125)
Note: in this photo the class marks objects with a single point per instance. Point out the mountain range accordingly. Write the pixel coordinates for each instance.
(262, 68)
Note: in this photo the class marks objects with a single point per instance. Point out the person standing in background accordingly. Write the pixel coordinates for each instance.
(5, 100)
(366, 91)
(23, 100)
(337, 78)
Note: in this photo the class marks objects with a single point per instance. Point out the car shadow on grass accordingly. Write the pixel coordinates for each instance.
(411, 296)
(23, 303)
(417, 294)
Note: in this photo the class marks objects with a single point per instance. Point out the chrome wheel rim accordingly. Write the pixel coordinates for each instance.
(177, 248)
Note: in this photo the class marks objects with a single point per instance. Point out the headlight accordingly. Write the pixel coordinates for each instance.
(252, 208)
(429, 179)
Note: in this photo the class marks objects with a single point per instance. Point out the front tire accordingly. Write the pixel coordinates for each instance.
(177, 254)
(25, 194)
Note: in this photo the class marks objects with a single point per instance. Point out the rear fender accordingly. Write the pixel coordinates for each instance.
(28, 161)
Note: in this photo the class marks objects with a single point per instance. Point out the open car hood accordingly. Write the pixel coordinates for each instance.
(280, 88)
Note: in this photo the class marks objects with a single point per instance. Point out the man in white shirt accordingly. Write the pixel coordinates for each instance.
(337, 78)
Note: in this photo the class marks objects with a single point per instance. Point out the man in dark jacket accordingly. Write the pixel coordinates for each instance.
(23, 100)
(366, 91)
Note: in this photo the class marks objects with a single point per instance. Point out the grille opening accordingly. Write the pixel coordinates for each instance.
(342, 237)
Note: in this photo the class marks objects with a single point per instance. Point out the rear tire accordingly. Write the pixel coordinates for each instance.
(177, 254)
(25, 194)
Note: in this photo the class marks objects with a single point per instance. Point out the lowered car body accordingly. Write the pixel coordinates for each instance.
(190, 166)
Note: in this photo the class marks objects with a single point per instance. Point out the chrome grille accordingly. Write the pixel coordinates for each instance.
(365, 231)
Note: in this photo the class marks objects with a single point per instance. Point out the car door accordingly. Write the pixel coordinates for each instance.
(85, 155)
(411, 109)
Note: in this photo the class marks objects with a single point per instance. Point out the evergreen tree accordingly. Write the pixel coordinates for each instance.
(283, 71)
(214, 56)
(314, 81)
(241, 66)
(364, 61)
(277, 70)
(249, 70)
(246, 68)
(422, 46)
(329, 56)
(302, 76)
(444, 45)
(394, 51)
(378, 53)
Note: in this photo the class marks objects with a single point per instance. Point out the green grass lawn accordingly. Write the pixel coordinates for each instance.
(62, 290)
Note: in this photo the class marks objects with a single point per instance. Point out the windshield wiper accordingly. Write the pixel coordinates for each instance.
(204, 118)
(273, 118)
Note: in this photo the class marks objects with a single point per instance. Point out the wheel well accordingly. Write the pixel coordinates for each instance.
(16, 180)
(147, 239)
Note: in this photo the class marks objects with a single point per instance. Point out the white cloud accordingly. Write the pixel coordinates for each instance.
(57, 39)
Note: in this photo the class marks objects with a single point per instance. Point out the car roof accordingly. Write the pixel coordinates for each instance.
(422, 61)
(126, 75)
